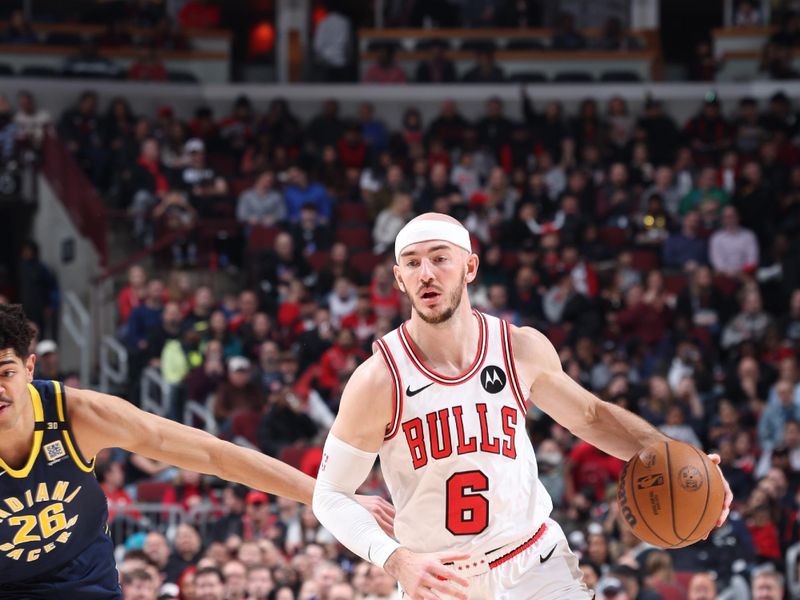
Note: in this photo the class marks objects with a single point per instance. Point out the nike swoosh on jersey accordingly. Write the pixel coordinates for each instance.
(544, 559)
(410, 393)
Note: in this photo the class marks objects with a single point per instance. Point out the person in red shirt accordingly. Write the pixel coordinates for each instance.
(589, 467)
(334, 360)
(111, 476)
(132, 295)
(363, 321)
(385, 70)
(200, 14)
(148, 67)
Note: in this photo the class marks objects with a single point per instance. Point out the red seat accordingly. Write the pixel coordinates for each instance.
(557, 335)
(318, 260)
(240, 185)
(365, 262)
(355, 238)
(613, 237)
(510, 260)
(152, 491)
(726, 285)
(245, 424)
(293, 455)
(644, 260)
(674, 284)
(262, 238)
(353, 213)
(223, 164)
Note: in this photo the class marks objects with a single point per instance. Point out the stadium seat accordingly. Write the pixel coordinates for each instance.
(376, 45)
(528, 77)
(237, 186)
(182, 77)
(675, 283)
(262, 238)
(355, 238)
(351, 213)
(644, 260)
(64, 38)
(510, 260)
(726, 285)
(620, 76)
(152, 491)
(557, 335)
(477, 45)
(318, 260)
(573, 77)
(224, 164)
(365, 262)
(245, 423)
(614, 237)
(38, 71)
(530, 44)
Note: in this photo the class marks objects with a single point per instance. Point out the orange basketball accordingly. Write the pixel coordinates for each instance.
(671, 494)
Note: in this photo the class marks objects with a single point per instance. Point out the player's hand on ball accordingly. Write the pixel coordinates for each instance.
(382, 510)
(726, 506)
(422, 576)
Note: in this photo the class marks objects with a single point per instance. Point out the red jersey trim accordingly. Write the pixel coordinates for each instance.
(397, 392)
(480, 356)
(511, 369)
(519, 549)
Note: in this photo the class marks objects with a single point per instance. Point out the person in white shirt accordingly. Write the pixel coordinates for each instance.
(733, 248)
(332, 46)
(32, 122)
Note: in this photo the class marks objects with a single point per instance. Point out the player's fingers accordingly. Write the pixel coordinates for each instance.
(386, 523)
(449, 557)
(715, 458)
(446, 587)
(726, 505)
(443, 572)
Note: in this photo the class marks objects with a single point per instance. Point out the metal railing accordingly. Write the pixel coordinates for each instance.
(195, 414)
(164, 518)
(79, 327)
(154, 395)
(113, 363)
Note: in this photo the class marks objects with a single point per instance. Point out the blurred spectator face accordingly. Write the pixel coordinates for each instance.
(785, 393)
(259, 583)
(691, 223)
(439, 175)
(498, 297)
(497, 179)
(663, 177)
(633, 297)
(235, 580)
(751, 304)
(659, 388)
(209, 586)
(767, 586)
(284, 593)
(150, 150)
(138, 586)
(381, 583)
(618, 174)
(187, 540)
(597, 550)
(707, 178)
(341, 591)
(171, 316)
(752, 172)
(218, 323)
(590, 575)
(394, 176)
(552, 110)
(284, 247)
(326, 575)
(360, 578)
(217, 552)
(702, 587)
(155, 292)
(787, 369)
(730, 219)
(249, 554)
(265, 181)
(25, 103)
(268, 354)
(315, 555)
(261, 325)
(203, 300)
(156, 547)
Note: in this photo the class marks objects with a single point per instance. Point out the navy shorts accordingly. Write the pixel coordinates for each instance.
(92, 575)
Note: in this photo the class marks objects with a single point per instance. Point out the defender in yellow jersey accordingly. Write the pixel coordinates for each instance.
(53, 540)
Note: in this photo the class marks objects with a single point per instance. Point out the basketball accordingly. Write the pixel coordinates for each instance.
(670, 494)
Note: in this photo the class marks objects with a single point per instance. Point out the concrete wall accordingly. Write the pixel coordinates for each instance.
(57, 237)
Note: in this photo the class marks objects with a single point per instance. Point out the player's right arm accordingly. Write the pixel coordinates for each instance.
(357, 434)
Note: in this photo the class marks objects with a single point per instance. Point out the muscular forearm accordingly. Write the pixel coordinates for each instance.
(262, 472)
(617, 431)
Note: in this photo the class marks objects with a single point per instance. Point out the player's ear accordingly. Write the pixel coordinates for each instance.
(30, 364)
(398, 279)
(472, 268)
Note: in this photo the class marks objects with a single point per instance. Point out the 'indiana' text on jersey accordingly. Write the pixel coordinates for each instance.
(51, 508)
(456, 457)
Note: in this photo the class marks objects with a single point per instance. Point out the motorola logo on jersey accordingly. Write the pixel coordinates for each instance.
(493, 379)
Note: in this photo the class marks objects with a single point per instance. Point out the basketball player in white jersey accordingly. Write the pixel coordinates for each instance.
(443, 401)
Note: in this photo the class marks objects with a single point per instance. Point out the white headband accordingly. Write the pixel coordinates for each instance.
(428, 230)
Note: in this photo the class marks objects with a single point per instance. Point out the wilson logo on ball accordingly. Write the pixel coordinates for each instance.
(649, 481)
(690, 478)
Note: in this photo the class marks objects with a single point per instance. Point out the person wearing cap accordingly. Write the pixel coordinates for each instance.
(54, 541)
(609, 588)
(49, 366)
(443, 401)
(197, 178)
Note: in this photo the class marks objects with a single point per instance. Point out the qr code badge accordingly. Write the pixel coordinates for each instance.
(54, 451)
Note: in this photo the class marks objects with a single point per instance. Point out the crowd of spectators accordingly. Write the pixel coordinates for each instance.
(662, 259)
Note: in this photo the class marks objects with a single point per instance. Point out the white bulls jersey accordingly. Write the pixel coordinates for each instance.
(457, 458)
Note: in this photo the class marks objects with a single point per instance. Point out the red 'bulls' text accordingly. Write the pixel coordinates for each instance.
(444, 429)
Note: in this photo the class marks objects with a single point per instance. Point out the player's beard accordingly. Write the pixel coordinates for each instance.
(447, 312)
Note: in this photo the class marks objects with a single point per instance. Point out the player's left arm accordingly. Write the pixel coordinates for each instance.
(607, 426)
(103, 421)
